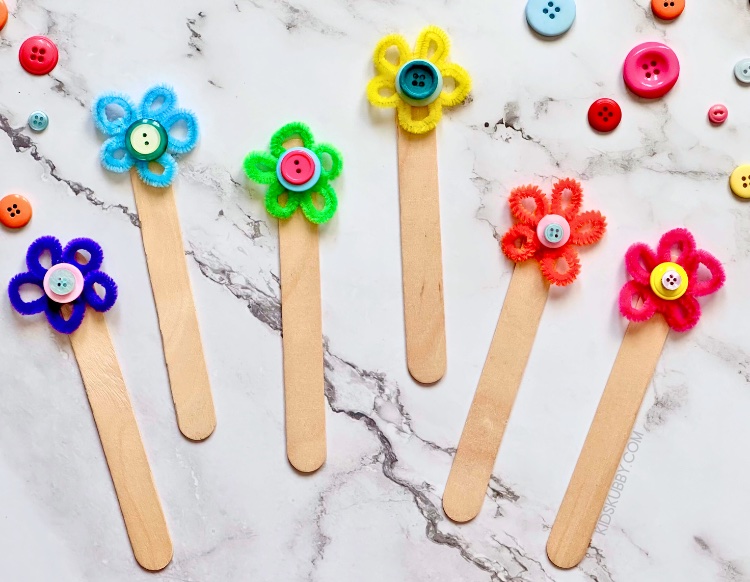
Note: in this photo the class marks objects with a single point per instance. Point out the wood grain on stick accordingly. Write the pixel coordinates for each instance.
(178, 321)
(498, 385)
(121, 441)
(604, 446)
(302, 340)
(421, 256)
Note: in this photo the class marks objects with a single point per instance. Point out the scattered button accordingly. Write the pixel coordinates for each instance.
(146, 139)
(3, 14)
(669, 281)
(739, 181)
(605, 115)
(15, 211)
(742, 71)
(63, 283)
(298, 169)
(651, 69)
(419, 82)
(553, 231)
(718, 114)
(667, 9)
(38, 55)
(38, 121)
(550, 17)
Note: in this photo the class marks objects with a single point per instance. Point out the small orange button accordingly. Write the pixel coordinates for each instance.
(15, 211)
(667, 9)
(3, 14)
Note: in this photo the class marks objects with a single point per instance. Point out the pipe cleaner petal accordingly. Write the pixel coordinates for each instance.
(169, 165)
(289, 131)
(433, 44)
(120, 106)
(520, 243)
(330, 203)
(275, 208)
(190, 121)
(519, 209)
(324, 151)
(114, 156)
(682, 314)
(158, 103)
(640, 260)
(14, 293)
(637, 302)
(587, 228)
(93, 298)
(408, 123)
(461, 85)
(376, 89)
(553, 259)
(36, 249)
(567, 198)
(701, 287)
(54, 314)
(87, 245)
(383, 65)
(260, 167)
(676, 246)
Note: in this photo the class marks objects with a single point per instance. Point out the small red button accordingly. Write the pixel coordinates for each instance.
(297, 167)
(38, 55)
(605, 115)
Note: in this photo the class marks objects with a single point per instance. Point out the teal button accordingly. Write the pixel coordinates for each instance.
(62, 282)
(146, 139)
(553, 233)
(38, 121)
(419, 82)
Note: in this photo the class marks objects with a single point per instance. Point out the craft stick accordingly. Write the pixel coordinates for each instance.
(609, 433)
(170, 283)
(421, 255)
(121, 441)
(302, 340)
(496, 392)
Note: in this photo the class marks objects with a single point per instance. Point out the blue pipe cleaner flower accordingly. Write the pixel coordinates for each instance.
(69, 269)
(140, 135)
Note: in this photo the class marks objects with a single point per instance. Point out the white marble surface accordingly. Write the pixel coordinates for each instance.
(236, 510)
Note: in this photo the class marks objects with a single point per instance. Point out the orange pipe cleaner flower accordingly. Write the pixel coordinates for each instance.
(549, 230)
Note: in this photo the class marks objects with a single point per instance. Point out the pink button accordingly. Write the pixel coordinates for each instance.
(651, 69)
(297, 167)
(63, 283)
(718, 114)
(38, 55)
(553, 231)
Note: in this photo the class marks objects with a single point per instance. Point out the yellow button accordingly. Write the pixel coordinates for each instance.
(739, 181)
(669, 281)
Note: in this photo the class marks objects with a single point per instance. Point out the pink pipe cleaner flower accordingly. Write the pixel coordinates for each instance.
(667, 281)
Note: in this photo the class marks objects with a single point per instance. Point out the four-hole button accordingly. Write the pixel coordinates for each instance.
(550, 17)
(739, 181)
(604, 114)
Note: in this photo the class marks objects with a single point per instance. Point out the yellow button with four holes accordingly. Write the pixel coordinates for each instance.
(739, 181)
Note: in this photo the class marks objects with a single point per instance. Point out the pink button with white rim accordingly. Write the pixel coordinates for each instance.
(718, 114)
(651, 69)
(553, 231)
(63, 283)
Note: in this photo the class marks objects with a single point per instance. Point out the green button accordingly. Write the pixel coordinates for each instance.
(62, 282)
(419, 82)
(146, 140)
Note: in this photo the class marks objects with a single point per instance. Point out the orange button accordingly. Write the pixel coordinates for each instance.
(3, 14)
(667, 9)
(15, 211)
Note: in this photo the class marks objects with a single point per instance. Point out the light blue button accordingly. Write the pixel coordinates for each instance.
(62, 282)
(742, 71)
(38, 121)
(550, 17)
(553, 233)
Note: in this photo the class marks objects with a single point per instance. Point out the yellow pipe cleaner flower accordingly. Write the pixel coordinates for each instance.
(389, 74)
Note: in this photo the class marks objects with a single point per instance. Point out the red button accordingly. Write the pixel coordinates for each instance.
(38, 55)
(297, 167)
(604, 115)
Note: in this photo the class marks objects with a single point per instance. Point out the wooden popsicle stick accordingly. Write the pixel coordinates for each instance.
(496, 392)
(421, 255)
(302, 341)
(609, 433)
(178, 322)
(121, 441)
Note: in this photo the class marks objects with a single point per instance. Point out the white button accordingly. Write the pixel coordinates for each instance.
(671, 280)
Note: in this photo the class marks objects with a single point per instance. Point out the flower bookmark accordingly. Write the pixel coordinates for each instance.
(415, 87)
(549, 233)
(662, 294)
(140, 139)
(297, 170)
(69, 287)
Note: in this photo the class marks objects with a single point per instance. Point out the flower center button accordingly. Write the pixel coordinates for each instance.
(553, 231)
(669, 281)
(146, 140)
(419, 82)
(63, 283)
(298, 169)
